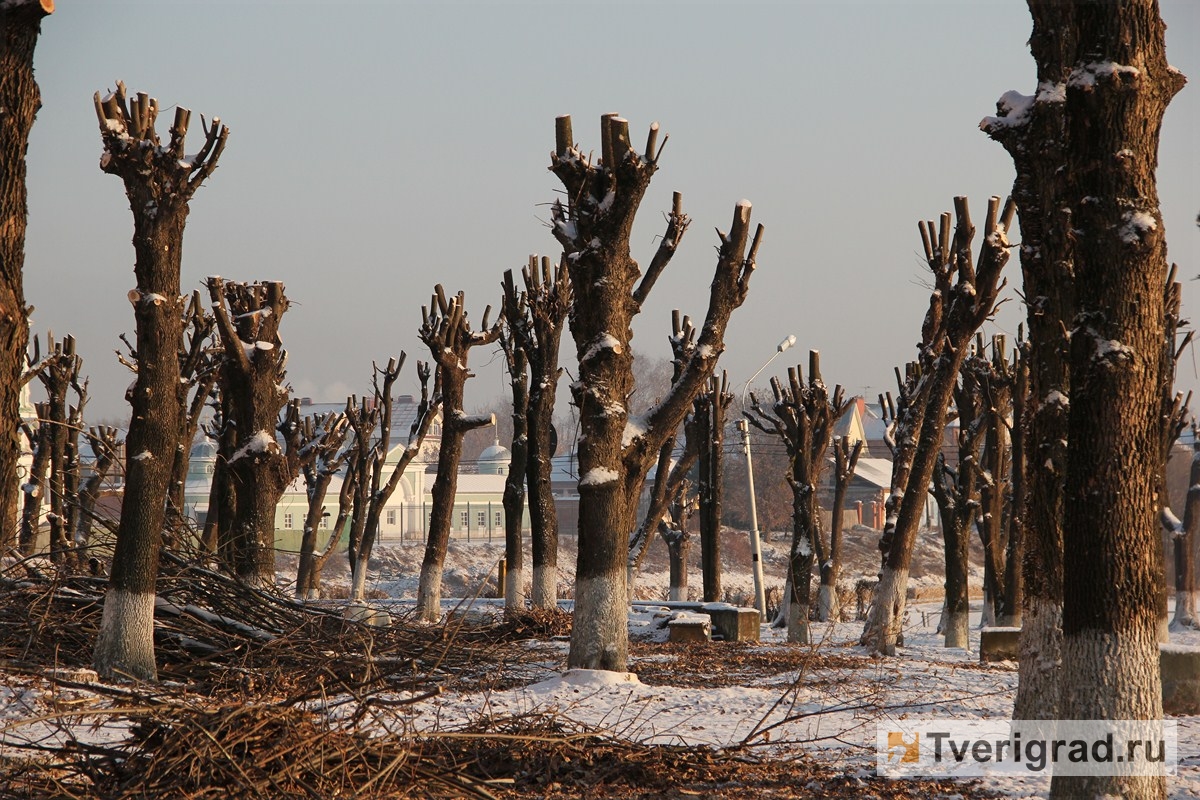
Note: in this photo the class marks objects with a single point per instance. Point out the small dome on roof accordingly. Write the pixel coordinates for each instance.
(494, 460)
(203, 449)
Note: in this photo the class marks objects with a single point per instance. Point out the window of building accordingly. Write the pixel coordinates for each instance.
(481, 519)
(287, 521)
(325, 521)
(391, 516)
(462, 519)
(499, 519)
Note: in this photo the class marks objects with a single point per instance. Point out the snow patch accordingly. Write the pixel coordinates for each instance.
(1137, 225)
(598, 476)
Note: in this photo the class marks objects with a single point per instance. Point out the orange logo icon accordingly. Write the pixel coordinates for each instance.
(902, 751)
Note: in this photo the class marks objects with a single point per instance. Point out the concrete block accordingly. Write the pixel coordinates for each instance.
(733, 623)
(688, 627)
(999, 644)
(1180, 666)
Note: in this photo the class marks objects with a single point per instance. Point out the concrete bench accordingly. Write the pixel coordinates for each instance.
(733, 623)
(1180, 667)
(999, 644)
(689, 627)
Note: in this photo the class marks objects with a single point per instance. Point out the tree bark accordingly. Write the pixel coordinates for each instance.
(1116, 94)
(20, 25)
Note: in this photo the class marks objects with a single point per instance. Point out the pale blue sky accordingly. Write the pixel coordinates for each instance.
(376, 149)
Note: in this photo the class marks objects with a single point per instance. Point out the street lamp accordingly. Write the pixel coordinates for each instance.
(760, 595)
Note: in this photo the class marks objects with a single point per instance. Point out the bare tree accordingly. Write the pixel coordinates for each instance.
(995, 378)
(20, 25)
(197, 376)
(516, 313)
(829, 558)
(964, 296)
(616, 452)
(1183, 537)
(447, 333)
(253, 393)
(103, 441)
(803, 416)
(956, 492)
(538, 333)
(369, 504)
(322, 454)
(709, 411)
(1014, 557)
(159, 182)
(58, 372)
(1032, 130)
(34, 486)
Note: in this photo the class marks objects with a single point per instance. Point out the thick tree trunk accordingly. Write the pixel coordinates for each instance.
(20, 24)
(1116, 96)
(125, 645)
(252, 393)
(159, 183)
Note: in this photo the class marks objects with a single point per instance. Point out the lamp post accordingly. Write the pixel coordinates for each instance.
(760, 594)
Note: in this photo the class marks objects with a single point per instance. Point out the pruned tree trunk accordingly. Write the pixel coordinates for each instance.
(448, 335)
(674, 530)
(253, 392)
(1014, 571)
(34, 487)
(995, 379)
(369, 504)
(197, 376)
(1184, 537)
(803, 416)
(964, 296)
(20, 99)
(710, 412)
(322, 454)
(594, 229)
(58, 372)
(515, 308)
(956, 492)
(159, 182)
(548, 297)
(1116, 95)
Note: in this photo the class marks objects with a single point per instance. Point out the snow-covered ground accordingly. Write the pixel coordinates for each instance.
(831, 709)
(828, 699)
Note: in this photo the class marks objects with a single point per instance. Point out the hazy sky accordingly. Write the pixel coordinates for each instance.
(377, 149)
